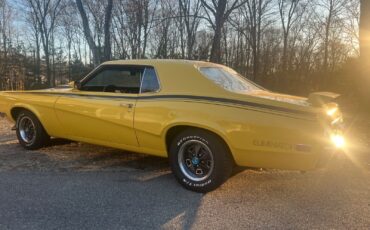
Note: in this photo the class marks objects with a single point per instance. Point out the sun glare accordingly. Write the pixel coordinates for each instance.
(338, 140)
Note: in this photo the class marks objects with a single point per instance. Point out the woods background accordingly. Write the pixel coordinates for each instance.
(292, 46)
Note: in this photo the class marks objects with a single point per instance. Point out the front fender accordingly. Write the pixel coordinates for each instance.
(20, 106)
(40, 105)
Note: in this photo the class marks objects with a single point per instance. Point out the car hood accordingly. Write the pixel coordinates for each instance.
(302, 101)
(49, 90)
(62, 88)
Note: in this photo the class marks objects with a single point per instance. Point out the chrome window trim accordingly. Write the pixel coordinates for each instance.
(142, 80)
(104, 66)
(158, 80)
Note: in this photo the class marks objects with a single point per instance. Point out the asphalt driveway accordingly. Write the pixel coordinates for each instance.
(79, 186)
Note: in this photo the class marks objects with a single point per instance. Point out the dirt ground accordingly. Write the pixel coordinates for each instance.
(336, 197)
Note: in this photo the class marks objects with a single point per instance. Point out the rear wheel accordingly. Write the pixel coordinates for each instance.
(30, 132)
(200, 161)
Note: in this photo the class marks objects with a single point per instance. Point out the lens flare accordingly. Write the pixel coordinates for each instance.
(338, 141)
(332, 111)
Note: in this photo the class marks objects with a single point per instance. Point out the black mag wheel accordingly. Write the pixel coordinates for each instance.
(30, 132)
(200, 161)
(195, 160)
(27, 130)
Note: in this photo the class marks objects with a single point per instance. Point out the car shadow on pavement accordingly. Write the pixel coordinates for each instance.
(106, 188)
(139, 191)
(59, 141)
(168, 204)
(144, 184)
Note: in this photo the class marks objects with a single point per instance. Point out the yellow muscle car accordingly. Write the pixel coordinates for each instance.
(204, 117)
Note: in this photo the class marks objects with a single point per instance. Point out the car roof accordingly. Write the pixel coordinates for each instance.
(156, 62)
(178, 76)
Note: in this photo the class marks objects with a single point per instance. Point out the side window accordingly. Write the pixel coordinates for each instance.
(115, 79)
(150, 81)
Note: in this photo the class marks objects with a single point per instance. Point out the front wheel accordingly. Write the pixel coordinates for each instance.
(200, 160)
(30, 132)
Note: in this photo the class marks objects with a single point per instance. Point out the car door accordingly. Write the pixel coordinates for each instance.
(102, 109)
(151, 114)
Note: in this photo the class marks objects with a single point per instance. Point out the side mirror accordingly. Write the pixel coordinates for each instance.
(71, 84)
(75, 84)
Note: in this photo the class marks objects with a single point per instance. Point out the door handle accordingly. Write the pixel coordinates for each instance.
(128, 105)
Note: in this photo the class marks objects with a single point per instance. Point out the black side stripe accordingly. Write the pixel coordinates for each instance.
(231, 101)
(189, 97)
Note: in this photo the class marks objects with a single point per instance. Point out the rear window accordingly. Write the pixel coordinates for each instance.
(229, 79)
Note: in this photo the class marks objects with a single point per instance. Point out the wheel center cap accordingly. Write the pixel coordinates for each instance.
(195, 160)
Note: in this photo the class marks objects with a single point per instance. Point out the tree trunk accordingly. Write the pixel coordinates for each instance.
(364, 80)
(38, 58)
(87, 33)
(327, 34)
(69, 59)
(219, 23)
(107, 26)
(216, 44)
(365, 32)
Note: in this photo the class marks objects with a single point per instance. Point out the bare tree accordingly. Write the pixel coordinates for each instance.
(220, 11)
(96, 49)
(46, 13)
(4, 35)
(69, 25)
(165, 30)
(365, 31)
(288, 16)
(365, 53)
(12, 51)
(133, 20)
(333, 9)
(352, 26)
(4, 43)
(255, 13)
(37, 53)
(189, 12)
(306, 40)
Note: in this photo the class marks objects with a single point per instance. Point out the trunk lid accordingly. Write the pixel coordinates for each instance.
(294, 100)
(319, 99)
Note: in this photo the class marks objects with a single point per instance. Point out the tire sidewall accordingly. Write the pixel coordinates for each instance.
(218, 151)
(20, 139)
(41, 136)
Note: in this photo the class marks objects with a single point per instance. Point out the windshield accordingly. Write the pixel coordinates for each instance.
(229, 79)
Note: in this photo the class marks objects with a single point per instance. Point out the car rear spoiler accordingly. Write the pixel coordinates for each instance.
(319, 99)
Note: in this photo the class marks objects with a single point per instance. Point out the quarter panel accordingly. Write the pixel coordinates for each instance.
(256, 138)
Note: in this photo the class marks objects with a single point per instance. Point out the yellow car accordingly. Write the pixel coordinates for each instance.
(204, 117)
